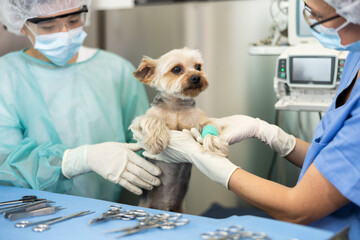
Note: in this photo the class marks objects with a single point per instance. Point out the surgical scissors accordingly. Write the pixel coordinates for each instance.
(23, 224)
(147, 220)
(46, 225)
(163, 221)
(166, 225)
(117, 213)
(233, 233)
(138, 225)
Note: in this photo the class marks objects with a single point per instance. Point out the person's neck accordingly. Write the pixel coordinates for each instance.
(37, 54)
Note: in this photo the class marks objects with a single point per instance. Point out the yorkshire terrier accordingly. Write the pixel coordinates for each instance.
(179, 77)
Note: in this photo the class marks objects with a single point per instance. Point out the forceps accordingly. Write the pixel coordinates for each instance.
(45, 226)
(29, 198)
(27, 208)
(34, 213)
(22, 206)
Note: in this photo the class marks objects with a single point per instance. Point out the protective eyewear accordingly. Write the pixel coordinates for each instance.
(55, 24)
(312, 19)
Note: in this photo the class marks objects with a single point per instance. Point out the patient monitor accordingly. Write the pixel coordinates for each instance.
(298, 29)
(307, 77)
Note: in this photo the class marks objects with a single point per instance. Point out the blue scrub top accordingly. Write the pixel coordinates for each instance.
(335, 151)
(45, 109)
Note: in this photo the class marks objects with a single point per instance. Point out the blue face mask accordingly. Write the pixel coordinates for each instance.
(329, 38)
(60, 47)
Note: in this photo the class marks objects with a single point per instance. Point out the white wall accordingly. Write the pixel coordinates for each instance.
(10, 42)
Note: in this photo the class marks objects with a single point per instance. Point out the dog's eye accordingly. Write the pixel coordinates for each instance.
(198, 67)
(177, 70)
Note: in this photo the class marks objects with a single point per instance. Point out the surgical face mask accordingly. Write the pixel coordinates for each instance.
(329, 38)
(60, 47)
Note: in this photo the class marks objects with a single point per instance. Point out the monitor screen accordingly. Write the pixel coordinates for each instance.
(302, 28)
(298, 29)
(318, 70)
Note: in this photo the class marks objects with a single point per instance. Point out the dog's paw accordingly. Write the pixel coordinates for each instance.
(151, 133)
(136, 129)
(157, 142)
(216, 145)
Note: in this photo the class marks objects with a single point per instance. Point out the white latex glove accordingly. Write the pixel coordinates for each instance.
(116, 162)
(183, 148)
(240, 127)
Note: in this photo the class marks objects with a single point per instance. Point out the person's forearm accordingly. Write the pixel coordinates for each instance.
(271, 197)
(311, 199)
(297, 155)
(266, 195)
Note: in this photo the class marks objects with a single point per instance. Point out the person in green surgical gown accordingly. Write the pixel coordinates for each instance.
(65, 109)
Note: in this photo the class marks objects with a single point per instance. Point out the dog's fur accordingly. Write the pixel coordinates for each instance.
(179, 77)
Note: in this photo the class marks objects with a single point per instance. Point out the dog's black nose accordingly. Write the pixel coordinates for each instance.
(195, 79)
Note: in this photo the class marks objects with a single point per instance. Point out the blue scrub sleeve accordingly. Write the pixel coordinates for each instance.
(339, 161)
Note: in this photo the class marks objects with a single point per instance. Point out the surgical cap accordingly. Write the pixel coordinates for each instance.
(349, 9)
(14, 13)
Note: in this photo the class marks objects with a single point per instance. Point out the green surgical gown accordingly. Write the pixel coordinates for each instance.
(45, 110)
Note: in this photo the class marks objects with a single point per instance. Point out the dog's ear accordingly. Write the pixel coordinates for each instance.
(146, 70)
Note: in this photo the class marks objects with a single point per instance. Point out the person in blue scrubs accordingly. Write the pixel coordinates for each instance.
(327, 194)
(65, 109)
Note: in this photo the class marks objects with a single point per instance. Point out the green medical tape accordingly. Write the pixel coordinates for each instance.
(209, 129)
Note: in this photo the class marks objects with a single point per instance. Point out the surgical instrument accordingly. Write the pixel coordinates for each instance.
(157, 224)
(117, 213)
(163, 221)
(27, 208)
(29, 198)
(46, 225)
(23, 224)
(234, 233)
(18, 205)
(137, 226)
(34, 213)
(25, 205)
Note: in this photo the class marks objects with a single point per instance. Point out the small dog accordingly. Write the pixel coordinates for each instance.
(179, 77)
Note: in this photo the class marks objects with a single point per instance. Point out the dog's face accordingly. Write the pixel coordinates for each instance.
(178, 72)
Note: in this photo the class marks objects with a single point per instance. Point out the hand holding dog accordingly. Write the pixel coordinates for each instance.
(236, 128)
(183, 148)
(116, 162)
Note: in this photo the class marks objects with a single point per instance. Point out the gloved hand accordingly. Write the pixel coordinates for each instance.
(183, 148)
(116, 162)
(240, 127)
